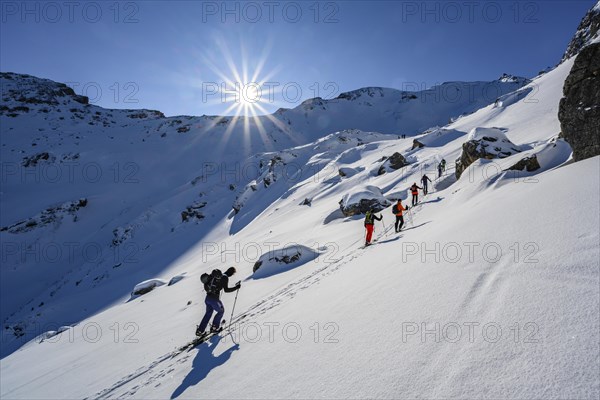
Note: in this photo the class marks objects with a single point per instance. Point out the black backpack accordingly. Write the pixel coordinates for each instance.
(395, 209)
(213, 283)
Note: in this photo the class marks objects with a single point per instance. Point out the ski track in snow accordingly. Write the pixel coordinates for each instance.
(182, 355)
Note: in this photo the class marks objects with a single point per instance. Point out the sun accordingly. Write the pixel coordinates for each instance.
(249, 97)
(245, 91)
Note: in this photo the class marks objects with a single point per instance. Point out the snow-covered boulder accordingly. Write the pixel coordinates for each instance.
(362, 200)
(146, 286)
(281, 260)
(175, 279)
(543, 157)
(435, 137)
(52, 333)
(487, 143)
(346, 172)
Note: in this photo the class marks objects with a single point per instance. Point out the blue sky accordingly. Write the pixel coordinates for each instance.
(177, 56)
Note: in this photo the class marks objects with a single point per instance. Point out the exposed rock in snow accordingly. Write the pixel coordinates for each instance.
(193, 211)
(306, 202)
(529, 164)
(487, 143)
(346, 172)
(417, 144)
(32, 161)
(394, 162)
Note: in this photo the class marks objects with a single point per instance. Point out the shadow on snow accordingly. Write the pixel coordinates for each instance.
(204, 362)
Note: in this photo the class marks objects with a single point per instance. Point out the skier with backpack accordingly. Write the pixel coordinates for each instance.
(213, 284)
(424, 180)
(370, 218)
(414, 190)
(398, 212)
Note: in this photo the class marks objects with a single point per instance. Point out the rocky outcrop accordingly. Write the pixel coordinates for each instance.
(579, 111)
(486, 143)
(586, 32)
(33, 160)
(193, 211)
(52, 215)
(366, 91)
(32, 90)
(528, 164)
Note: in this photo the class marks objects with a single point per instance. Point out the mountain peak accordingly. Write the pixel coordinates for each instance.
(25, 88)
(587, 31)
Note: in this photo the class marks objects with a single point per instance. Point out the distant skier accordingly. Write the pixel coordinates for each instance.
(441, 168)
(425, 179)
(398, 212)
(370, 218)
(414, 190)
(213, 284)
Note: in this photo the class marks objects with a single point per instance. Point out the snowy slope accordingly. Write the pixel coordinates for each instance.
(145, 181)
(505, 262)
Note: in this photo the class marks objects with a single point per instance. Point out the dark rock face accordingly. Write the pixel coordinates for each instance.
(397, 161)
(528, 163)
(362, 207)
(587, 30)
(579, 111)
(487, 148)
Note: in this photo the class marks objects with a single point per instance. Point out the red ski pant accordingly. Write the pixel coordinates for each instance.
(370, 229)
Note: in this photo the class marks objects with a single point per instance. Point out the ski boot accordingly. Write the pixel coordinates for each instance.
(199, 333)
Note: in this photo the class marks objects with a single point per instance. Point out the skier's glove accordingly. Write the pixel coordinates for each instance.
(238, 286)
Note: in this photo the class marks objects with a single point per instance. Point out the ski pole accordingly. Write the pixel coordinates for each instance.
(411, 216)
(233, 308)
